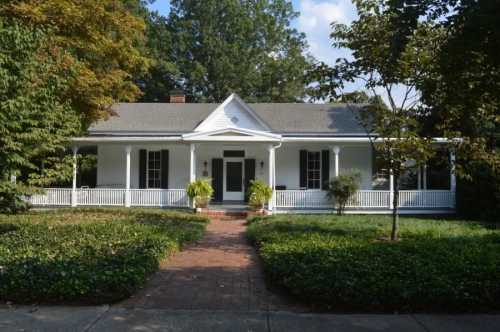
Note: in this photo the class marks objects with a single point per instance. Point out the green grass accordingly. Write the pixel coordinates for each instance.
(345, 263)
(87, 255)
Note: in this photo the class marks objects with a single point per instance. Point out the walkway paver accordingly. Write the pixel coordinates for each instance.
(220, 272)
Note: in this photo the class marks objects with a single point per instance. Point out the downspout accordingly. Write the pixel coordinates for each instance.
(275, 147)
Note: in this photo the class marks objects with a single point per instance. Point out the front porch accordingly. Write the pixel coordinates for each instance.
(155, 174)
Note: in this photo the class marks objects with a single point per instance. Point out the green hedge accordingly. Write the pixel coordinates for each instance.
(345, 263)
(87, 255)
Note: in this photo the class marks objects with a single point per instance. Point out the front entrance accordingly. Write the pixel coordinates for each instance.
(233, 180)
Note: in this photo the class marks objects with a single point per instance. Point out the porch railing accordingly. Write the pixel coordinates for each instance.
(288, 199)
(111, 197)
(366, 199)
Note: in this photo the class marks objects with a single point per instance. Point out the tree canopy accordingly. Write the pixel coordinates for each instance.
(102, 37)
(247, 47)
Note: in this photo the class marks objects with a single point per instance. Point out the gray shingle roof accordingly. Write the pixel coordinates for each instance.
(283, 118)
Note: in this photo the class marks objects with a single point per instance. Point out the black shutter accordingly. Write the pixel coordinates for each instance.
(142, 168)
(325, 169)
(164, 169)
(303, 169)
(217, 178)
(249, 175)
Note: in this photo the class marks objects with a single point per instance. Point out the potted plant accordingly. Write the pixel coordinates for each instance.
(342, 188)
(258, 194)
(200, 191)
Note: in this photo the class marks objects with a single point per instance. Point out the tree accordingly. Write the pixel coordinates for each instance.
(386, 63)
(247, 47)
(35, 119)
(462, 90)
(104, 37)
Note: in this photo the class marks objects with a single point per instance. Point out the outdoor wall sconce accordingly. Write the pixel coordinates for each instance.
(262, 164)
(205, 170)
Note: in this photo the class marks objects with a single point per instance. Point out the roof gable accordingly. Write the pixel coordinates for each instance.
(232, 113)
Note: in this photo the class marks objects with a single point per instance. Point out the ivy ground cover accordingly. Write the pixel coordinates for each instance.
(346, 264)
(87, 255)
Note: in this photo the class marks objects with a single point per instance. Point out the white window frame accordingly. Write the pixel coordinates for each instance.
(320, 171)
(154, 169)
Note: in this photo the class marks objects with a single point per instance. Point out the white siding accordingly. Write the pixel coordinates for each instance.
(350, 158)
(223, 118)
(111, 165)
(111, 162)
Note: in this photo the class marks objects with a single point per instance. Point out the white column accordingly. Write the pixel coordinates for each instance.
(419, 177)
(453, 177)
(74, 200)
(391, 190)
(424, 176)
(128, 149)
(192, 163)
(270, 175)
(336, 151)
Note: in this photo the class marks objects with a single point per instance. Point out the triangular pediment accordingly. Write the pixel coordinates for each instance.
(232, 113)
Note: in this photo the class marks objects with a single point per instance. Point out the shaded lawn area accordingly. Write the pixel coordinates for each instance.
(87, 255)
(344, 263)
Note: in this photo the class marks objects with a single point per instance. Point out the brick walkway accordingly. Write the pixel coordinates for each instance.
(220, 272)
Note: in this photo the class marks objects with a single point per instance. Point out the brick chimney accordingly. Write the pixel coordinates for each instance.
(177, 97)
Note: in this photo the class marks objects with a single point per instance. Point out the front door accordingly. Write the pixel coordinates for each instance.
(233, 180)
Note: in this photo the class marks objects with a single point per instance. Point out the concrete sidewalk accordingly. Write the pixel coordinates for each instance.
(105, 318)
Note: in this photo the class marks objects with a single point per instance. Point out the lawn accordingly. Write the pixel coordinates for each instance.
(87, 255)
(346, 264)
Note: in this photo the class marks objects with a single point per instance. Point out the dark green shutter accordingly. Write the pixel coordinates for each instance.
(249, 175)
(142, 168)
(303, 169)
(325, 169)
(217, 178)
(164, 169)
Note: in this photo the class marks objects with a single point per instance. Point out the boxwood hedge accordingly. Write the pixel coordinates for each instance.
(345, 263)
(87, 255)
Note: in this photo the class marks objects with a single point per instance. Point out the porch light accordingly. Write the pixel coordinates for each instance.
(262, 164)
(205, 170)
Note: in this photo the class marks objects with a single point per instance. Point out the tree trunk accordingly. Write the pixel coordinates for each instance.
(395, 211)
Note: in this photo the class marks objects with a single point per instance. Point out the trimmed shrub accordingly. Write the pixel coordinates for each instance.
(87, 256)
(343, 264)
(342, 188)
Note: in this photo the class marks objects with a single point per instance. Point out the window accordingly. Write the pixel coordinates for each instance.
(234, 153)
(154, 169)
(313, 170)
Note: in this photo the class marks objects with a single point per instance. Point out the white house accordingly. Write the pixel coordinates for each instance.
(149, 152)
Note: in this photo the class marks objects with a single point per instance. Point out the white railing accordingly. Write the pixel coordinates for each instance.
(367, 199)
(426, 199)
(111, 197)
(100, 197)
(52, 197)
(302, 199)
(159, 197)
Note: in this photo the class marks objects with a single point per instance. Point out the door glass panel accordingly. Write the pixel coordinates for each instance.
(234, 175)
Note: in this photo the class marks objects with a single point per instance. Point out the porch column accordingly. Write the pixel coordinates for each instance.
(424, 178)
(192, 168)
(128, 148)
(336, 151)
(192, 163)
(270, 175)
(391, 190)
(453, 177)
(74, 200)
